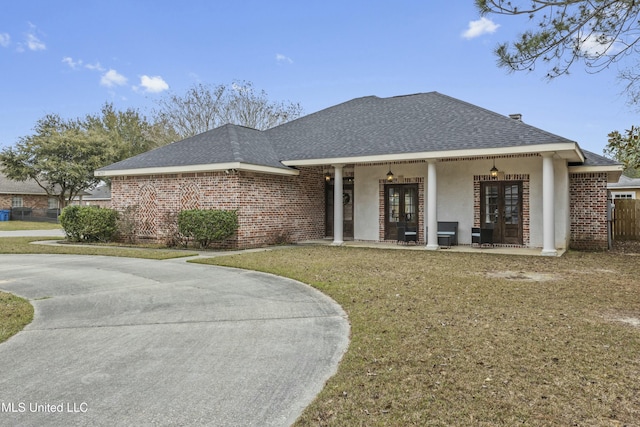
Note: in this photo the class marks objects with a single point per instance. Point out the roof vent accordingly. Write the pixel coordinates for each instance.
(517, 117)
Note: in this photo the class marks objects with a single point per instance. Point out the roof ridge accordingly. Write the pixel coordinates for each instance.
(234, 141)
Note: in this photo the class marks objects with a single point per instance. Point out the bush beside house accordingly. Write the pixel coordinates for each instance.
(207, 226)
(89, 223)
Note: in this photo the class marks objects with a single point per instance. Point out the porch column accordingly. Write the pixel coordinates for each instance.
(432, 208)
(548, 206)
(338, 208)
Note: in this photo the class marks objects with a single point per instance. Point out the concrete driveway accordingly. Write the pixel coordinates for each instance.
(118, 341)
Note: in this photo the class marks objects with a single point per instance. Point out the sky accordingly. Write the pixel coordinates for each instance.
(70, 57)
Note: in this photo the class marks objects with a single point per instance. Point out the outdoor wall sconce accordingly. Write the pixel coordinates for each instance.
(389, 175)
(327, 177)
(494, 170)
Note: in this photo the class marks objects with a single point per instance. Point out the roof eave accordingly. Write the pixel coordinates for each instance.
(613, 171)
(569, 151)
(215, 167)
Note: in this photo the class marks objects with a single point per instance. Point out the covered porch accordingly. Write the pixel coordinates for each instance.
(522, 197)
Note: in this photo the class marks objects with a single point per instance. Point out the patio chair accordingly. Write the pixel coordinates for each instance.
(407, 233)
(482, 237)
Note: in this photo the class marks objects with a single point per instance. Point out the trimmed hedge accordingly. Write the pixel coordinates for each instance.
(206, 226)
(88, 223)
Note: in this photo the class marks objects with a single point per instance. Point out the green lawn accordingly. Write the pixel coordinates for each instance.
(27, 225)
(474, 339)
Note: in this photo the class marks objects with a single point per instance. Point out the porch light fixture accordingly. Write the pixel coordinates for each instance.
(494, 170)
(389, 175)
(327, 177)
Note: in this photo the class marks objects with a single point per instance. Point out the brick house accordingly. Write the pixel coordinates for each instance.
(26, 199)
(413, 160)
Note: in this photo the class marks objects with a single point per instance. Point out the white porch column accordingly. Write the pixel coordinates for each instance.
(548, 206)
(432, 208)
(338, 208)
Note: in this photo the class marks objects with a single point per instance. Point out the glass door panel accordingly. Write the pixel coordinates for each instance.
(501, 210)
(401, 206)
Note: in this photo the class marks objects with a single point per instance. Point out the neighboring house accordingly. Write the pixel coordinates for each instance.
(99, 196)
(359, 169)
(625, 188)
(26, 198)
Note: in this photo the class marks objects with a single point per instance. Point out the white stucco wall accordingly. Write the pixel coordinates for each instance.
(455, 197)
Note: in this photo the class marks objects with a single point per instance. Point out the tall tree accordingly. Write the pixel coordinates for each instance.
(60, 157)
(205, 107)
(128, 132)
(596, 32)
(626, 149)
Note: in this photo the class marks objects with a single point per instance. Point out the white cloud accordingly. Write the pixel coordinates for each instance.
(113, 78)
(480, 27)
(94, 67)
(594, 46)
(5, 39)
(71, 63)
(283, 59)
(33, 43)
(153, 84)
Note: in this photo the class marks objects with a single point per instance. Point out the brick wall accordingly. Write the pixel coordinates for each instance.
(28, 201)
(588, 211)
(271, 208)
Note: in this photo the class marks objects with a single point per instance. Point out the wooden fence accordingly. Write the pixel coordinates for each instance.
(626, 219)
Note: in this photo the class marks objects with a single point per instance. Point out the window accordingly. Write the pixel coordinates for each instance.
(53, 203)
(16, 202)
(623, 195)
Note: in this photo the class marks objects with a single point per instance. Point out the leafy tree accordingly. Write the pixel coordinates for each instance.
(60, 157)
(597, 32)
(625, 149)
(206, 107)
(129, 132)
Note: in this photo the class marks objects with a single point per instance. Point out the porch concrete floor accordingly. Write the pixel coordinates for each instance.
(421, 247)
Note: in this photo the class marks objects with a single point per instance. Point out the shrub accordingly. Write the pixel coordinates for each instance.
(206, 226)
(126, 224)
(88, 223)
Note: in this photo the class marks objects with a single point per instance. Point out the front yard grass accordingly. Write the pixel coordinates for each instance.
(27, 225)
(474, 339)
(15, 314)
(22, 245)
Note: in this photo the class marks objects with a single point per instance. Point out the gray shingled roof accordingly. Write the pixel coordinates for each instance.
(404, 124)
(366, 126)
(625, 182)
(593, 159)
(9, 186)
(99, 193)
(226, 144)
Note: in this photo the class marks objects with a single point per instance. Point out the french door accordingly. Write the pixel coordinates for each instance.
(501, 210)
(401, 206)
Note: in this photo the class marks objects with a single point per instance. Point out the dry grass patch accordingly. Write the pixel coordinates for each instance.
(443, 339)
(15, 314)
(22, 245)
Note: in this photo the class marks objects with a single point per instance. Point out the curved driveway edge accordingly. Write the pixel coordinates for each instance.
(121, 341)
